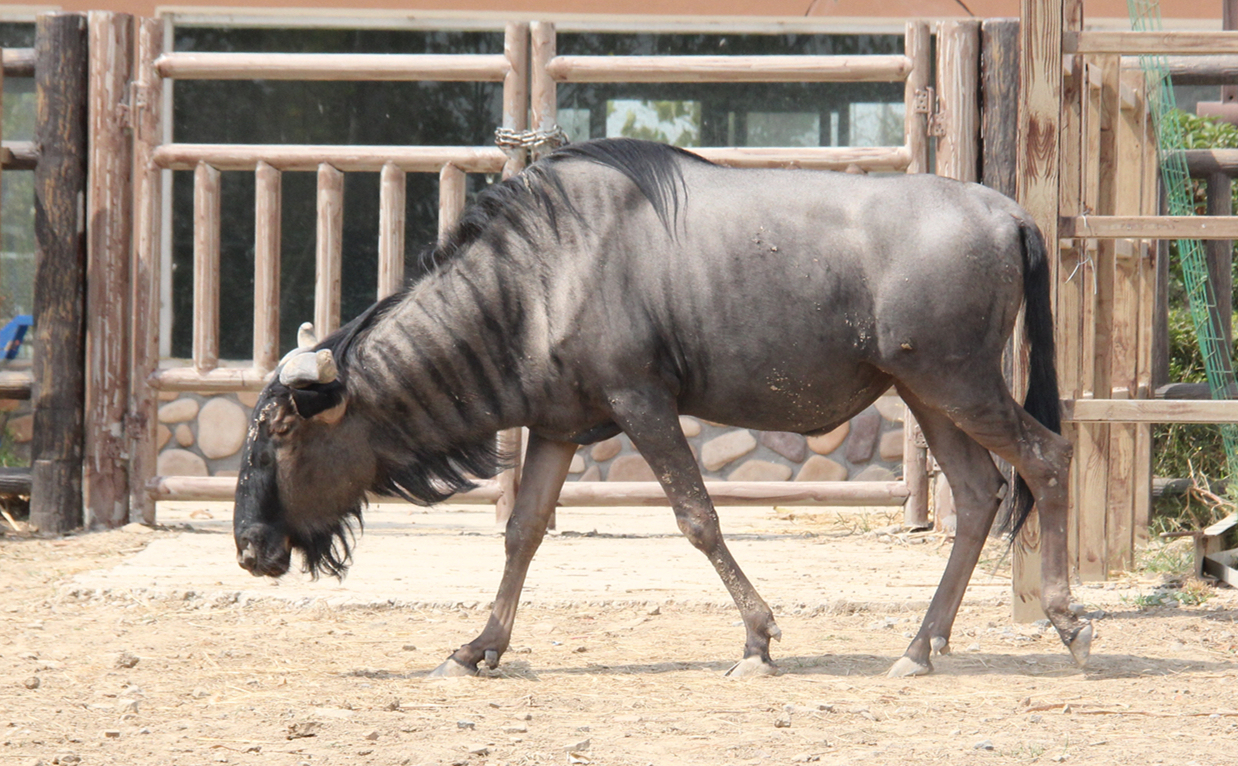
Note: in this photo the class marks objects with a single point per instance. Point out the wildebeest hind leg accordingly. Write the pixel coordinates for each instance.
(977, 486)
(545, 468)
(652, 423)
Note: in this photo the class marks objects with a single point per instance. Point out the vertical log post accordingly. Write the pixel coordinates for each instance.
(1070, 288)
(145, 105)
(60, 272)
(958, 74)
(917, 46)
(1220, 255)
(329, 250)
(105, 480)
(958, 157)
(1040, 89)
(516, 89)
(268, 231)
(392, 201)
(999, 120)
(451, 195)
(543, 93)
(206, 224)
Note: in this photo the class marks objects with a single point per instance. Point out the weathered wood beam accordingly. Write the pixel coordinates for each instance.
(367, 159)
(1149, 411)
(60, 272)
(729, 69)
(1165, 43)
(109, 211)
(1148, 227)
(370, 67)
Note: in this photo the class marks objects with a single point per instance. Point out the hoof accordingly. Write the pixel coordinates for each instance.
(492, 659)
(452, 669)
(907, 667)
(940, 644)
(1081, 645)
(752, 666)
(774, 632)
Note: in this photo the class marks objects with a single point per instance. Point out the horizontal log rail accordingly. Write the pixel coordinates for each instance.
(1175, 43)
(1148, 227)
(19, 155)
(1205, 162)
(386, 67)
(411, 159)
(16, 384)
(1149, 411)
(1195, 70)
(220, 380)
(606, 493)
(15, 482)
(18, 62)
(879, 158)
(723, 69)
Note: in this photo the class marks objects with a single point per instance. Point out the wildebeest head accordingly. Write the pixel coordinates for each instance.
(304, 471)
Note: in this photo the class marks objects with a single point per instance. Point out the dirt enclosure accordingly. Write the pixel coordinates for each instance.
(151, 647)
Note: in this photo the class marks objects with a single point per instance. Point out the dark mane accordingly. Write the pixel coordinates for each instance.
(653, 167)
(420, 470)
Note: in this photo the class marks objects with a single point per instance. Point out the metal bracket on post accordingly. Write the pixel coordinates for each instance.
(927, 102)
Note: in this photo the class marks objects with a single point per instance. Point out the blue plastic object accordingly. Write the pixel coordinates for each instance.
(13, 333)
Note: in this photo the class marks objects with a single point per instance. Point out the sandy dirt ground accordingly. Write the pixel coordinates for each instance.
(143, 646)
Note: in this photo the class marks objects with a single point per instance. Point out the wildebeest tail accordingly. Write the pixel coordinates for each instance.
(1043, 402)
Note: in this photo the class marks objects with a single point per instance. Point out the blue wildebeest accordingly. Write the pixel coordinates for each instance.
(616, 285)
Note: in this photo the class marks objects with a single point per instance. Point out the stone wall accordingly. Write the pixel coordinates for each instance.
(202, 435)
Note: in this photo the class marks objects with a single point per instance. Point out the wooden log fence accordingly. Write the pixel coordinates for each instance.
(61, 78)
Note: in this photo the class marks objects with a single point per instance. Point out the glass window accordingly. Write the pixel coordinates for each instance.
(17, 243)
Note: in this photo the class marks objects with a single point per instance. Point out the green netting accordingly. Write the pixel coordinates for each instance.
(1145, 17)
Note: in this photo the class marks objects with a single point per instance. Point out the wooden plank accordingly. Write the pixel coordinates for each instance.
(729, 69)
(349, 159)
(1195, 70)
(61, 85)
(1202, 163)
(874, 159)
(999, 81)
(364, 67)
(516, 89)
(1147, 334)
(109, 195)
(1040, 85)
(1149, 411)
(145, 296)
(1166, 43)
(15, 482)
(15, 384)
(18, 62)
(958, 77)
(451, 196)
(392, 204)
(19, 155)
(1148, 227)
(917, 44)
(329, 250)
(268, 236)
(206, 225)
(603, 493)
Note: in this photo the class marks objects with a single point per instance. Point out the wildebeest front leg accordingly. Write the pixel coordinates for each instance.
(652, 422)
(545, 468)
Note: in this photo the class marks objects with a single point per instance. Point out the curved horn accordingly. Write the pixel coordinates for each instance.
(305, 341)
(308, 368)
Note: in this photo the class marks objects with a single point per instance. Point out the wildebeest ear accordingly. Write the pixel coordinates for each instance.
(326, 400)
